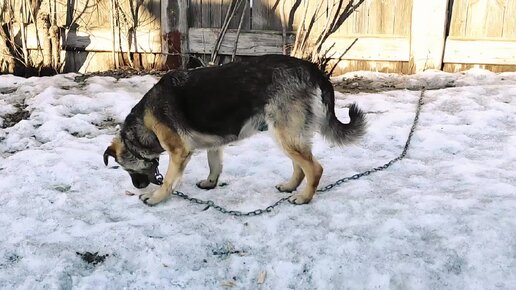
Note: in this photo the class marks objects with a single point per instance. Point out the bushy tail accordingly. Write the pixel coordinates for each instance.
(339, 133)
(335, 131)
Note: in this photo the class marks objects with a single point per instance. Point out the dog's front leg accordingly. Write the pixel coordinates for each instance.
(215, 163)
(179, 155)
(176, 165)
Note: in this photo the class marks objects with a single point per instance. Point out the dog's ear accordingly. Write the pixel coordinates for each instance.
(115, 148)
(109, 152)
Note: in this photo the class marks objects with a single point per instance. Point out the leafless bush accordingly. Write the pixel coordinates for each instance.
(309, 46)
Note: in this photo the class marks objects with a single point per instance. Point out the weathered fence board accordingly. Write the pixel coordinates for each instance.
(427, 34)
(94, 14)
(371, 48)
(195, 13)
(266, 15)
(149, 41)
(202, 40)
(380, 17)
(393, 35)
(480, 51)
(483, 18)
(211, 14)
(481, 32)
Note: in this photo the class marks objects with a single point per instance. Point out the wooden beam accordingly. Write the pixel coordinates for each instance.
(428, 31)
(174, 28)
(480, 51)
(380, 48)
(100, 40)
(182, 28)
(201, 40)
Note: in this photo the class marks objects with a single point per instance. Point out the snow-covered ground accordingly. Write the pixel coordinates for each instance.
(443, 218)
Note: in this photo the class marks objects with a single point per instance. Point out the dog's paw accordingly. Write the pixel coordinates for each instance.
(300, 199)
(151, 198)
(206, 184)
(285, 187)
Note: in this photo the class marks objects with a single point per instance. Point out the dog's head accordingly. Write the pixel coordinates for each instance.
(142, 171)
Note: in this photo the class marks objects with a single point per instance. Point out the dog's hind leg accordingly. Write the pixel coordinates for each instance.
(300, 152)
(297, 177)
(215, 163)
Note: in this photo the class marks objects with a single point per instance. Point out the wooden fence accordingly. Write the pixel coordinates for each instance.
(404, 36)
(395, 36)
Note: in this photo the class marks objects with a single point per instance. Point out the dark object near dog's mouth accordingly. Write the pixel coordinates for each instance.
(143, 180)
(139, 180)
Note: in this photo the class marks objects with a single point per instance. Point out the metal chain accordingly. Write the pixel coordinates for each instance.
(211, 204)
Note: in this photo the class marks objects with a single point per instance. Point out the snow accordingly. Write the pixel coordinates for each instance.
(443, 218)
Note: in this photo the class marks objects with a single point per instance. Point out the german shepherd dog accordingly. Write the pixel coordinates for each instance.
(207, 108)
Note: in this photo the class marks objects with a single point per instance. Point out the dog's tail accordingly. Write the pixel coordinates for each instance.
(335, 131)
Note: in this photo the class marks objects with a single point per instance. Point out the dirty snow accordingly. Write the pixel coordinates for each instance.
(443, 218)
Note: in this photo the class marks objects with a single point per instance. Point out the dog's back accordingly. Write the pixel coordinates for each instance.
(231, 101)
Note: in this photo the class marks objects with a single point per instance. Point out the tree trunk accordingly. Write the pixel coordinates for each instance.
(8, 60)
(47, 45)
(56, 47)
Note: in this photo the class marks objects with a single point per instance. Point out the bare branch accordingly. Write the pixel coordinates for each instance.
(239, 28)
(342, 56)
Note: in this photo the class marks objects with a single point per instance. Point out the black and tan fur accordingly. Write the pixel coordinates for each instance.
(208, 108)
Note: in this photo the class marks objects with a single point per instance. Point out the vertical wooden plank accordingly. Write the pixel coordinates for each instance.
(388, 16)
(166, 28)
(475, 21)
(402, 17)
(246, 25)
(483, 19)
(361, 25)
(428, 34)
(259, 19)
(294, 16)
(509, 25)
(174, 28)
(182, 28)
(195, 15)
(494, 17)
(155, 13)
(274, 14)
(216, 17)
(376, 18)
(206, 15)
(266, 15)
(459, 18)
(242, 8)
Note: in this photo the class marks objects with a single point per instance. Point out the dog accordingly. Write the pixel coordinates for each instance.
(207, 108)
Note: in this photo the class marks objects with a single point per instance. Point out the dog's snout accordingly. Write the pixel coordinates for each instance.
(140, 184)
(140, 180)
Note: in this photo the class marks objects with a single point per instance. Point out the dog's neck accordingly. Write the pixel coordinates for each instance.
(139, 139)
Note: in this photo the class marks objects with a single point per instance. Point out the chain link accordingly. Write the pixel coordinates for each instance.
(211, 204)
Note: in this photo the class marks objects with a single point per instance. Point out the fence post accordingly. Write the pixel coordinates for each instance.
(174, 30)
(428, 34)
